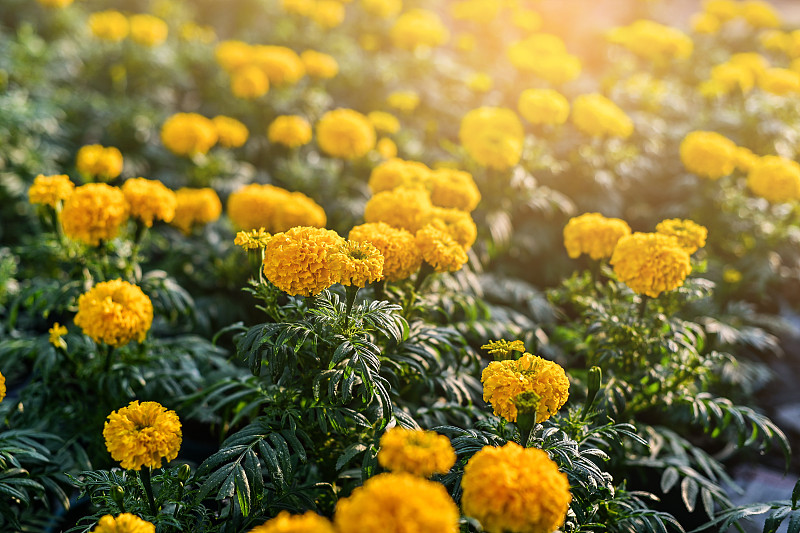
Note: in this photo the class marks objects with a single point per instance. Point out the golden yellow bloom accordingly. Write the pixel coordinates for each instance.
(94, 212)
(230, 132)
(123, 523)
(780, 81)
(56, 332)
(418, 27)
(232, 55)
(289, 130)
(281, 65)
(543, 106)
(652, 41)
(383, 122)
(397, 503)
(345, 133)
(249, 82)
(398, 247)
(386, 148)
(775, 178)
(480, 82)
(384, 9)
(416, 451)
(708, 154)
(492, 136)
(775, 40)
(2, 387)
(252, 240)
(149, 200)
(356, 263)
(650, 263)
(724, 10)
(454, 189)
(502, 349)
(297, 261)
(310, 522)
(192, 32)
(276, 209)
(319, 65)
(188, 134)
(597, 116)
(753, 61)
(690, 235)
(98, 161)
(456, 223)
(406, 101)
(109, 25)
(142, 434)
(439, 249)
(195, 207)
(401, 207)
(115, 312)
(328, 13)
(395, 173)
(731, 77)
(50, 190)
(705, 23)
(504, 380)
(760, 14)
(303, 8)
(148, 30)
(478, 11)
(593, 234)
(545, 56)
(745, 159)
(731, 275)
(55, 3)
(512, 489)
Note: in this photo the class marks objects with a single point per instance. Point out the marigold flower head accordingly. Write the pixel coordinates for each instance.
(188, 134)
(760, 14)
(439, 249)
(650, 263)
(690, 235)
(195, 207)
(50, 190)
(281, 65)
(546, 57)
(386, 148)
(142, 434)
(593, 234)
(454, 189)
(652, 41)
(395, 173)
(492, 136)
(230, 132)
(289, 130)
(746, 160)
(357, 263)
(252, 240)
(398, 247)
(775, 40)
(383, 122)
(416, 451)
(775, 178)
(456, 223)
(597, 116)
(249, 82)
(328, 13)
(384, 9)
(708, 154)
(115, 312)
(397, 503)
(732, 77)
(94, 212)
(418, 27)
(345, 133)
(2, 387)
(543, 106)
(56, 333)
(310, 522)
(780, 81)
(319, 65)
(273, 208)
(503, 349)
(123, 523)
(724, 10)
(401, 207)
(504, 380)
(297, 260)
(109, 25)
(149, 200)
(231, 55)
(512, 489)
(405, 101)
(101, 162)
(704, 23)
(193, 32)
(148, 30)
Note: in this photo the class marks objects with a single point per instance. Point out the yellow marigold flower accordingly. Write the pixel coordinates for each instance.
(760, 14)
(94, 212)
(149, 200)
(383, 122)
(439, 249)
(753, 61)
(195, 207)
(398, 247)
(188, 134)
(304, 8)
(142, 434)
(289, 130)
(401, 207)
(56, 332)
(458, 224)
(593, 234)
(328, 13)
(50, 190)
(731, 275)
(502, 349)
(395, 173)
(708, 154)
(543, 106)
(115, 312)
(397, 503)
(123, 523)
(249, 82)
(98, 161)
(545, 56)
(310, 522)
(230, 132)
(276, 209)
(492, 136)
(480, 82)
(416, 451)
(731, 77)
(297, 261)
(512, 489)
(454, 189)
(345, 133)
(386, 148)
(405, 101)
(745, 159)
(775, 178)
(319, 65)
(504, 380)
(2, 387)
(281, 65)
(652, 41)
(148, 30)
(252, 240)
(55, 3)
(775, 40)
(109, 25)
(650, 263)
(690, 235)
(724, 10)
(705, 23)
(780, 81)
(232, 55)
(418, 27)
(384, 9)
(192, 32)
(357, 263)
(597, 116)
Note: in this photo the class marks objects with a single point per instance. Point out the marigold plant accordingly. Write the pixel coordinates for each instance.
(143, 434)
(416, 451)
(115, 312)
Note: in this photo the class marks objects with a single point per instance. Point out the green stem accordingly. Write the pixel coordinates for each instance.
(109, 358)
(148, 489)
(643, 306)
(350, 292)
(141, 229)
(424, 273)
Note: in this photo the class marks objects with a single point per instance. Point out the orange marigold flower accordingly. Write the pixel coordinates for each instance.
(416, 451)
(142, 434)
(115, 312)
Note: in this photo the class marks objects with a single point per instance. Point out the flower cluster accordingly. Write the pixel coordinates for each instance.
(254, 68)
(416, 451)
(115, 312)
(144, 29)
(142, 434)
(593, 234)
(100, 162)
(273, 208)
